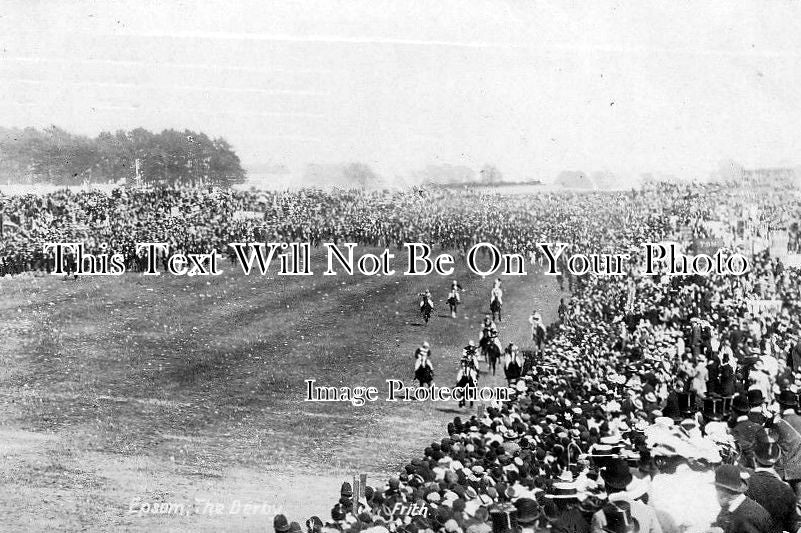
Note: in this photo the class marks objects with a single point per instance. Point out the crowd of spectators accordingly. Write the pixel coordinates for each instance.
(642, 377)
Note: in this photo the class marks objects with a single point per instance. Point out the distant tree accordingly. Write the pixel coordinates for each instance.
(171, 157)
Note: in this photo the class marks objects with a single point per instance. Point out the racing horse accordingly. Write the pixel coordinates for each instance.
(496, 302)
(425, 310)
(453, 303)
(453, 298)
(466, 378)
(513, 365)
(491, 352)
(426, 306)
(424, 372)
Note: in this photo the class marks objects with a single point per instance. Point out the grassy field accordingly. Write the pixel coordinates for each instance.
(119, 391)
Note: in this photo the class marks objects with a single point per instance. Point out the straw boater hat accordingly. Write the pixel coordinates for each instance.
(565, 489)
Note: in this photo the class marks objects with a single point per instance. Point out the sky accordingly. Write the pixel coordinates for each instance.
(531, 87)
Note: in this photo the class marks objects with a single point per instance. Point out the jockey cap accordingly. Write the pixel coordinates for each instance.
(425, 344)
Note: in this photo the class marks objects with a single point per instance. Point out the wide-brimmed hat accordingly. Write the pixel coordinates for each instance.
(730, 477)
(617, 474)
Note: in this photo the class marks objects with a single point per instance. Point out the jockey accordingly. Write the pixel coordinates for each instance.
(489, 331)
(454, 298)
(422, 362)
(455, 291)
(538, 329)
(470, 355)
(468, 378)
(466, 372)
(424, 350)
(497, 292)
(426, 297)
(423, 370)
(512, 353)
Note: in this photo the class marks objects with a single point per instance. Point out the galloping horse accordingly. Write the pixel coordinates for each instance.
(495, 308)
(424, 372)
(496, 300)
(513, 365)
(453, 303)
(453, 297)
(467, 378)
(426, 306)
(491, 351)
(425, 310)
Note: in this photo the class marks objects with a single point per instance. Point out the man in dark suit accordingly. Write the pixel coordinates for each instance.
(738, 512)
(787, 431)
(744, 431)
(767, 489)
(756, 399)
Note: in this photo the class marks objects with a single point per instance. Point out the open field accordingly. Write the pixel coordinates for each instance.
(189, 390)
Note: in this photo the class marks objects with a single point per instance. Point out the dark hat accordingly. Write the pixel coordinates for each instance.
(619, 519)
(731, 478)
(767, 451)
(280, 523)
(740, 404)
(788, 399)
(617, 474)
(346, 491)
(528, 511)
(755, 398)
(294, 527)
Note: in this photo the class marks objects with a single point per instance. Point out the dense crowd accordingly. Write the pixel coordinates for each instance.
(643, 377)
(200, 220)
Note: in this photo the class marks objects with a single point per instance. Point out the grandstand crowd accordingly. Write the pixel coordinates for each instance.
(643, 377)
(194, 220)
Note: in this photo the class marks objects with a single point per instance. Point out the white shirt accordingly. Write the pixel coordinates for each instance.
(735, 503)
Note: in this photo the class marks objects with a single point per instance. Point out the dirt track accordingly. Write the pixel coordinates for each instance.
(117, 392)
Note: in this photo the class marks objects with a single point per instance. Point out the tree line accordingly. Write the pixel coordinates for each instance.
(55, 156)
